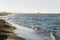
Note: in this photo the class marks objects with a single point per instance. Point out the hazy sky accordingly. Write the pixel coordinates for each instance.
(29, 6)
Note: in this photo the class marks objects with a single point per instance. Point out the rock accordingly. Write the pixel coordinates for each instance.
(2, 22)
(6, 32)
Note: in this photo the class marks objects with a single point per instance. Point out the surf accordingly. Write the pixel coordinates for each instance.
(29, 33)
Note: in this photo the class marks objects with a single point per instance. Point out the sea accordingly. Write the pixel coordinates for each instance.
(24, 22)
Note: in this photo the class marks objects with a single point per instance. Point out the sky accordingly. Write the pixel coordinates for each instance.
(30, 6)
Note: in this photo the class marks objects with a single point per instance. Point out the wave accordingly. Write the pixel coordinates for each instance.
(28, 33)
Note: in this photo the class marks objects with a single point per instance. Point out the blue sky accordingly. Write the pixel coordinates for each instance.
(30, 6)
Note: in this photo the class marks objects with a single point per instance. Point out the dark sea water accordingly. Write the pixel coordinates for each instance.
(50, 22)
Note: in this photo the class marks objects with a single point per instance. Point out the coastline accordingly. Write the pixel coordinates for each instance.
(6, 32)
(4, 13)
(14, 27)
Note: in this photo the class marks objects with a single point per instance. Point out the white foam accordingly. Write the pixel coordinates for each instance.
(28, 33)
(20, 26)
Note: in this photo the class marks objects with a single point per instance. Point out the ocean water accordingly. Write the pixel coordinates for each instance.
(24, 22)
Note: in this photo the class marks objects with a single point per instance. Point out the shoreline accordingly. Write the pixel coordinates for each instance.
(14, 28)
(4, 13)
(6, 32)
